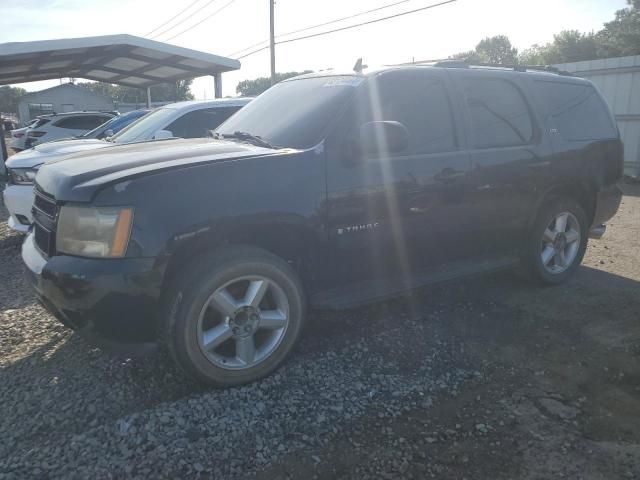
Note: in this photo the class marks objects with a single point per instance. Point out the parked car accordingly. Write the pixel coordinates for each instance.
(19, 136)
(64, 125)
(113, 125)
(183, 119)
(328, 191)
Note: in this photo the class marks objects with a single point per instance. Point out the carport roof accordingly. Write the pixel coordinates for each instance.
(120, 59)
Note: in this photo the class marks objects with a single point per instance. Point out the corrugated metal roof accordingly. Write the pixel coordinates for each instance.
(120, 59)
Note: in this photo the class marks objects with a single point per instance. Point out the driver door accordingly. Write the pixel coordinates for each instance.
(393, 216)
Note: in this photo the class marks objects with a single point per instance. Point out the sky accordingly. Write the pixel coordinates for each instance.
(430, 34)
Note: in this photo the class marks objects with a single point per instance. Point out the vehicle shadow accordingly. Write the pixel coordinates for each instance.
(630, 187)
(103, 387)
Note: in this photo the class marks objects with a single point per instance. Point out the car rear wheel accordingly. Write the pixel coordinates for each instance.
(233, 318)
(557, 241)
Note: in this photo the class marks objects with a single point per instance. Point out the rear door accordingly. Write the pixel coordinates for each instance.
(510, 157)
(396, 215)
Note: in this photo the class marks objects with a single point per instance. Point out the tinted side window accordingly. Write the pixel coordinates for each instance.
(499, 114)
(578, 111)
(66, 123)
(84, 122)
(417, 100)
(198, 123)
(40, 122)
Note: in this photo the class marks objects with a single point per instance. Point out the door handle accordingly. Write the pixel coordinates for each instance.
(448, 175)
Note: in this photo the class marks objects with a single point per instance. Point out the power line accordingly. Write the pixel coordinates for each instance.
(330, 22)
(351, 26)
(184, 19)
(172, 18)
(201, 21)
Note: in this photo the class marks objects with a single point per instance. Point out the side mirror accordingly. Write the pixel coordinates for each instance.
(162, 134)
(107, 133)
(383, 138)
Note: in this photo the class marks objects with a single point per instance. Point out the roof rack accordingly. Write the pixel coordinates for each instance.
(515, 67)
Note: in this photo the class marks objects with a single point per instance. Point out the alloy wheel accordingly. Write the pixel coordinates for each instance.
(560, 243)
(243, 322)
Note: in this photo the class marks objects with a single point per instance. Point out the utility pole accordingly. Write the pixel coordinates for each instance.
(272, 43)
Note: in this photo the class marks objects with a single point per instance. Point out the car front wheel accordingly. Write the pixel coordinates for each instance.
(233, 318)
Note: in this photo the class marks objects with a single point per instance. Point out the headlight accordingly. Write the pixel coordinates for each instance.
(23, 176)
(94, 231)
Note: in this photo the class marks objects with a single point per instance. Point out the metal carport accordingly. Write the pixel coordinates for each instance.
(118, 59)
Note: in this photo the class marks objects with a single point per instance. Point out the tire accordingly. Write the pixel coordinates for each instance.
(220, 306)
(559, 268)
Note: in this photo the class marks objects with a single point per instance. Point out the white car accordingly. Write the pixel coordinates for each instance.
(64, 125)
(184, 119)
(19, 135)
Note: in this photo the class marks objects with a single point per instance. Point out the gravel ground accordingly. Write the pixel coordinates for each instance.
(486, 378)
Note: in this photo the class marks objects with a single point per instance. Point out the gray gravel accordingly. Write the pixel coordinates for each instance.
(68, 410)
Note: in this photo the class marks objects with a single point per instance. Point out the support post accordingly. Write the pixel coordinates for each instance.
(217, 85)
(148, 97)
(272, 42)
(4, 155)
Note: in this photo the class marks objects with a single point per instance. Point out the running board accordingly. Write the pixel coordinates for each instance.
(372, 291)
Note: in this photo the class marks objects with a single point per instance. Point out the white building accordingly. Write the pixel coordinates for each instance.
(62, 98)
(618, 79)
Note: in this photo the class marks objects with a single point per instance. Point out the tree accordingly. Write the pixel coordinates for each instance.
(534, 55)
(496, 50)
(572, 46)
(252, 88)
(9, 98)
(621, 36)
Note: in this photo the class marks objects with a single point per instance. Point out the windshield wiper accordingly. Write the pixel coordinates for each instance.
(245, 137)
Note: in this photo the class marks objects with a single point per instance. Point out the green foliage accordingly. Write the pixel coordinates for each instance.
(570, 46)
(534, 55)
(9, 97)
(165, 92)
(252, 88)
(619, 37)
(496, 50)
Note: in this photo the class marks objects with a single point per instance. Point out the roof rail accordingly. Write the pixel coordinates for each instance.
(515, 67)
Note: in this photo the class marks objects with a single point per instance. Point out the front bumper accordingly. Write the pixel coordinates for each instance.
(110, 301)
(19, 199)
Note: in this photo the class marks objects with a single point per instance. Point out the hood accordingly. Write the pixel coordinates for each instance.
(77, 177)
(52, 151)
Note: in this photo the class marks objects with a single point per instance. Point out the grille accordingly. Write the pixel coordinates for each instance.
(44, 216)
(43, 238)
(45, 205)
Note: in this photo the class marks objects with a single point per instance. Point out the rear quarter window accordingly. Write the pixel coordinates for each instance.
(40, 123)
(499, 113)
(578, 111)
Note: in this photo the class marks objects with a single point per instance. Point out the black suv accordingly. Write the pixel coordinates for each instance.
(327, 191)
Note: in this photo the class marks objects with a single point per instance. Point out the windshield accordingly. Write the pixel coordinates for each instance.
(294, 113)
(145, 127)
